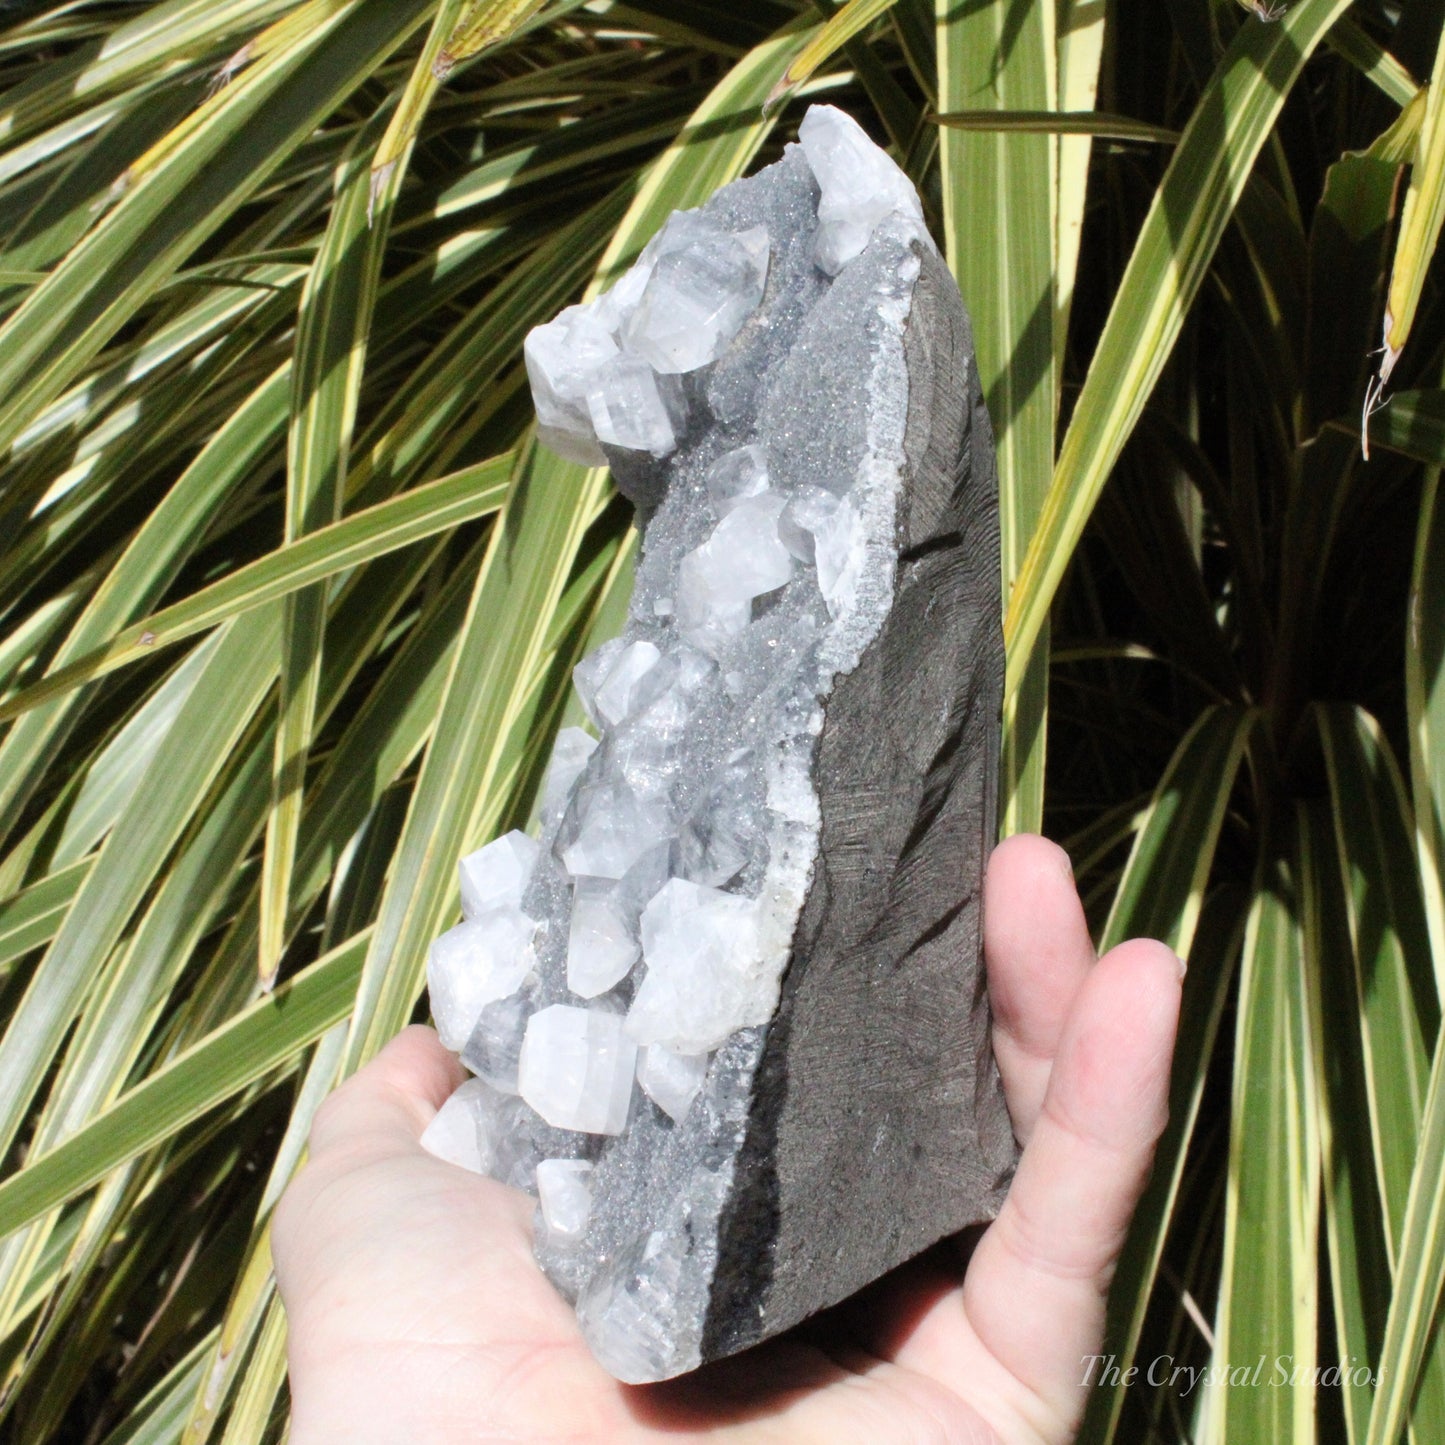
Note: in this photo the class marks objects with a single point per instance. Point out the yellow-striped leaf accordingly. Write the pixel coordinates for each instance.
(1268, 1307)
(1205, 179)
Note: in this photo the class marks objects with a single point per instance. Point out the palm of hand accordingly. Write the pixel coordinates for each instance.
(417, 1312)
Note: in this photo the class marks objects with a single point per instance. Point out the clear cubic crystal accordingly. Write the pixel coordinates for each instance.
(632, 407)
(577, 1068)
(483, 959)
(601, 948)
(564, 1191)
(711, 850)
(569, 757)
(670, 1079)
(859, 185)
(745, 554)
(497, 876)
(704, 283)
(704, 618)
(644, 752)
(735, 476)
(701, 950)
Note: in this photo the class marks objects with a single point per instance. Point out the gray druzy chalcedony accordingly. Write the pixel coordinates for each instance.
(727, 1013)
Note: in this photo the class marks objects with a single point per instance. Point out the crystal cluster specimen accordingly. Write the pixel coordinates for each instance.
(725, 1013)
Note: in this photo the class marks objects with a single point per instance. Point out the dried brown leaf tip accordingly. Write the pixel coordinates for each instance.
(379, 178)
(231, 68)
(1375, 391)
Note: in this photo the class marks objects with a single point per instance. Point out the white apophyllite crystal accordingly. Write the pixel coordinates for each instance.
(617, 697)
(458, 1133)
(619, 301)
(493, 1050)
(562, 358)
(744, 558)
(496, 876)
(600, 947)
(485, 958)
(607, 371)
(569, 756)
(577, 1068)
(643, 749)
(607, 680)
(616, 828)
(645, 754)
(859, 184)
(703, 283)
(632, 407)
(624, 1311)
(702, 982)
(809, 510)
(704, 616)
(712, 842)
(661, 692)
(478, 1128)
(736, 476)
(591, 673)
(670, 1079)
(840, 549)
(564, 1190)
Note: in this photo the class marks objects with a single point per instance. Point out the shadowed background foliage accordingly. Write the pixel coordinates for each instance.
(289, 602)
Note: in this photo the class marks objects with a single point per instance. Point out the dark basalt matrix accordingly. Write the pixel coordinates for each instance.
(726, 1013)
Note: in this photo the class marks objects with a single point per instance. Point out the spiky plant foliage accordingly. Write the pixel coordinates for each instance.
(289, 600)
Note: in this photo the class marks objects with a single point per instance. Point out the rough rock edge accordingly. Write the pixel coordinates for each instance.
(799, 1201)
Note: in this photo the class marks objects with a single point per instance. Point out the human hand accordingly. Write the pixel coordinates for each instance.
(417, 1313)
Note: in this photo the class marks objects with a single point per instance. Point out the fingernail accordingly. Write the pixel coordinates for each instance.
(1183, 967)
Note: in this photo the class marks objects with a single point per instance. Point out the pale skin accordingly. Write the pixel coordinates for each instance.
(417, 1313)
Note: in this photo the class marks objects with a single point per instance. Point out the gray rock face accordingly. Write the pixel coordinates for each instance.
(758, 895)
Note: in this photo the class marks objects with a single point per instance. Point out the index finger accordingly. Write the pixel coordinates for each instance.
(1038, 951)
(393, 1098)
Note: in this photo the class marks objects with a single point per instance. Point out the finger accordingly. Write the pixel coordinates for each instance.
(1035, 1290)
(393, 1098)
(1039, 952)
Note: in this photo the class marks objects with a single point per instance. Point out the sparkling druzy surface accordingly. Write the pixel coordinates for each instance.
(726, 1012)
